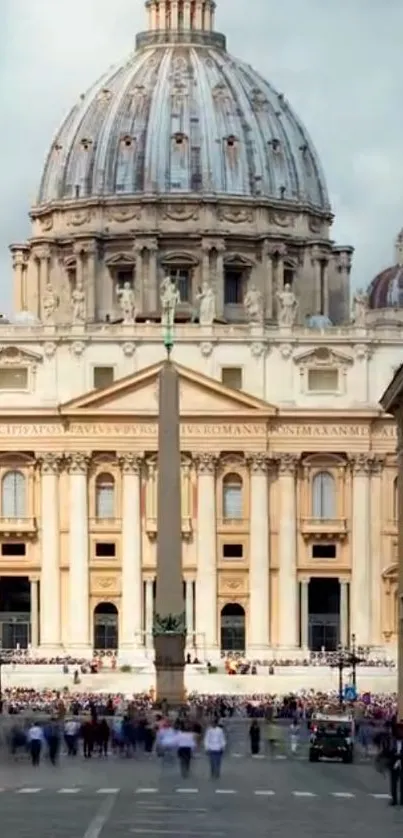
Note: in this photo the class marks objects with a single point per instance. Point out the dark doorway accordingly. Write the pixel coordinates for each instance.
(324, 614)
(233, 628)
(106, 627)
(15, 612)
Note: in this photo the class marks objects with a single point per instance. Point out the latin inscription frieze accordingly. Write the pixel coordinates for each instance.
(320, 430)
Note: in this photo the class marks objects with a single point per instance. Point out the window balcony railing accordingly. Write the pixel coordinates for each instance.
(323, 527)
(18, 526)
(104, 525)
(238, 524)
(151, 527)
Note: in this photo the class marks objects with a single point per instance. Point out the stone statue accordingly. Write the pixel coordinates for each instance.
(360, 308)
(170, 298)
(253, 305)
(207, 307)
(127, 304)
(78, 301)
(50, 304)
(288, 306)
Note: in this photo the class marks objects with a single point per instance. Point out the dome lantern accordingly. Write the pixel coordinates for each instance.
(180, 21)
(399, 249)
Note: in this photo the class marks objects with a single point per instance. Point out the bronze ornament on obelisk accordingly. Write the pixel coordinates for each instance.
(169, 629)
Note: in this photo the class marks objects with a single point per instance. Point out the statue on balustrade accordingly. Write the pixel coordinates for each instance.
(253, 306)
(170, 298)
(127, 304)
(288, 306)
(207, 304)
(78, 301)
(360, 309)
(50, 304)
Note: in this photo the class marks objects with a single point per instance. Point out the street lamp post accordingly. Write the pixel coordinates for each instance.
(354, 659)
(342, 662)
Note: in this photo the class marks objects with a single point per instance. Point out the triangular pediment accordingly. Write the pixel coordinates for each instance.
(120, 259)
(322, 356)
(137, 394)
(11, 355)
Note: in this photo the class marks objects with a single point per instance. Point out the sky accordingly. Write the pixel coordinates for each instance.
(340, 65)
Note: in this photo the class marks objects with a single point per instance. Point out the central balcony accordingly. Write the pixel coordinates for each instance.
(323, 528)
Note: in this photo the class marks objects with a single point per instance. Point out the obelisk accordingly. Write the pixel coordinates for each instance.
(169, 628)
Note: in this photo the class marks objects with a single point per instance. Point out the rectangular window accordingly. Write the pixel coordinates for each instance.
(232, 377)
(105, 550)
(323, 381)
(124, 275)
(13, 378)
(233, 286)
(181, 276)
(232, 551)
(323, 551)
(13, 549)
(103, 377)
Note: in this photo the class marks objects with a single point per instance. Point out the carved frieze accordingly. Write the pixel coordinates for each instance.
(123, 214)
(281, 219)
(180, 212)
(235, 215)
(104, 583)
(76, 218)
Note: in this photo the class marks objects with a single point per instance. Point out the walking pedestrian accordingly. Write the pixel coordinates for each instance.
(294, 737)
(214, 745)
(35, 740)
(186, 742)
(254, 736)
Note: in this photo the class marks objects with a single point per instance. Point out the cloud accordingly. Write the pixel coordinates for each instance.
(340, 66)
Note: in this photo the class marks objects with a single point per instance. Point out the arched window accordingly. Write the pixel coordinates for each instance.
(106, 626)
(13, 495)
(232, 505)
(233, 628)
(323, 495)
(105, 496)
(395, 499)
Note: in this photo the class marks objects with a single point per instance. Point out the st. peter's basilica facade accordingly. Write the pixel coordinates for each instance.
(183, 176)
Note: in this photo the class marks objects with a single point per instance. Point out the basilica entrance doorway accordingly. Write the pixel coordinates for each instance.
(323, 614)
(15, 612)
(106, 627)
(233, 632)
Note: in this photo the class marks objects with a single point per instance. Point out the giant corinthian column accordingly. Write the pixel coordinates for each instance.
(288, 604)
(206, 581)
(360, 606)
(132, 584)
(259, 566)
(50, 617)
(79, 618)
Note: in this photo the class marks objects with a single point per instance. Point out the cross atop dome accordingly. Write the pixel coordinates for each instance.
(180, 21)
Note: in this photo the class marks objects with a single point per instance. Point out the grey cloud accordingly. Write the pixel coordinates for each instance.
(340, 66)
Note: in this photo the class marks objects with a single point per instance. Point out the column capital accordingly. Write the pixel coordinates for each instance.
(259, 463)
(206, 463)
(131, 463)
(361, 464)
(49, 462)
(378, 463)
(287, 463)
(78, 462)
(43, 253)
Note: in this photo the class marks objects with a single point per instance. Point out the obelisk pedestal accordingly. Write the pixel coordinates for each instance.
(169, 628)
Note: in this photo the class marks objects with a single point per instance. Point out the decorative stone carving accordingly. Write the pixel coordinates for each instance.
(129, 349)
(258, 463)
(77, 462)
(105, 582)
(207, 304)
(361, 464)
(288, 307)
(170, 298)
(180, 212)
(50, 463)
(253, 306)
(131, 463)
(78, 348)
(378, 463)
(258, 348)
(127, 304)
(78, 217)
(206, 463)
(232, 584)
(363, 352)
(360, 309)
(46, 223)
(11, 356)
(49, 349)
(287, 463)
(50, 304)
(235, 215)
(123, 214)
(286, 350)
(206, 348)
(78, 303)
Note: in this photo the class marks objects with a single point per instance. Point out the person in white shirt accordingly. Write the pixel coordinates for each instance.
(167, 742)
(35, 742)
(71, 731)
(214, 745)
(294, 736)
(186, 743)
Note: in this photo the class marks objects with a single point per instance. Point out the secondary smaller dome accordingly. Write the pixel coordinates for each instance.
(386, 289)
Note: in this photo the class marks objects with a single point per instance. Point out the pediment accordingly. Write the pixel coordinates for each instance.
(118, 259)
(239, 259)
(179, 258)
(322, 356)
(16, 355)
(137, 394)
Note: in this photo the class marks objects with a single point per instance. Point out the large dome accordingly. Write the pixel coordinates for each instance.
(182, 118)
